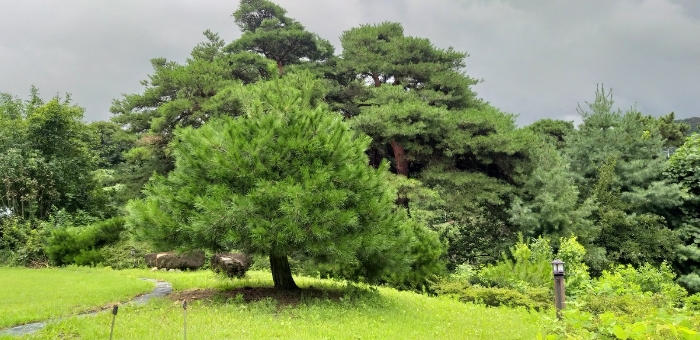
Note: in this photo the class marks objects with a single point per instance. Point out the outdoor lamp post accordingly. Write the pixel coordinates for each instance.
(559, 295)
(133, 255)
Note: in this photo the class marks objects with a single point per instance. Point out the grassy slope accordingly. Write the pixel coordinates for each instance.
(384, 314)
(28, 295)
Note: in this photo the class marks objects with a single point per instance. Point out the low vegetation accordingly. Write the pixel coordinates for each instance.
(346, 312)
(29, 295)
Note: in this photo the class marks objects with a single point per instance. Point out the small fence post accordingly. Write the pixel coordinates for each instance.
(184, 311)
(114, 317)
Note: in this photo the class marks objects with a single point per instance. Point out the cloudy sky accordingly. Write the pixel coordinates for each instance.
(538, 58)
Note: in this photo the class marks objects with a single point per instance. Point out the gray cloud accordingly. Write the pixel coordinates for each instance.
(538, 58)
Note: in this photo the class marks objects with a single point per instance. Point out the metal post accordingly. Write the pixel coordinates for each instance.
(114, 317)
(184, 311)
(559, 293)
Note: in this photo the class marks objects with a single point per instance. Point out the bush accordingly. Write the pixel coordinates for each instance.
(659, 324)
(118, 255)
(81, 245)
(633, 292)
(22, 243)
(692, 303)
(530, 266)
(535, 298)
(631, 303)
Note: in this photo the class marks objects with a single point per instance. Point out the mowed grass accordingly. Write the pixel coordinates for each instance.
(362, 313)
(28, 295)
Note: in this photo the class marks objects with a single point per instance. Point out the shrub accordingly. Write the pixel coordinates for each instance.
(633, 292)
(529, 267)
(22, 242)
(118, 255)
(631, 303)
(692, 303)
(81, 245)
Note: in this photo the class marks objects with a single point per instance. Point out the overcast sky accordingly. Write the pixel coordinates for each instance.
(538, 58)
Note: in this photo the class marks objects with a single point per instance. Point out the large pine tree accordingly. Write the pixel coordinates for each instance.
(287, 178)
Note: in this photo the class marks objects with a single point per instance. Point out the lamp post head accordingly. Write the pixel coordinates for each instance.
(133, 251)
(558, 268)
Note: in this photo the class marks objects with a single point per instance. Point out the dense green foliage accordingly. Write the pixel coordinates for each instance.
(684, 169)
(45, 157)
(378, 163)
(81, 245)
(288, 178)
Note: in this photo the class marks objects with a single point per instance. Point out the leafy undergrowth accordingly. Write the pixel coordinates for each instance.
(220, 308)
(28, 295)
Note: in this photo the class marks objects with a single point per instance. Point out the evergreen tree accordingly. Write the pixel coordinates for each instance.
(552, 130)
(684, 168)
(287, 178)
(617, 159)
(267, 31)
(180, 96)
(549, 205)
(421, 113)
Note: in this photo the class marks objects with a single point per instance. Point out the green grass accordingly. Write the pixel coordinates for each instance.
(362, 314)
(28, 295)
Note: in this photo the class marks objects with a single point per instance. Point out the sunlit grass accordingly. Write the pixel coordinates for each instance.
(207, 279)
(28, 295)
(362, 314)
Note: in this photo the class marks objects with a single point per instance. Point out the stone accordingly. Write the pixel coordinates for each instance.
(171, 260)
(231, 264)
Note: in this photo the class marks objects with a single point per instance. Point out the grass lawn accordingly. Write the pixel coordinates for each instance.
(341, 312)
(28, 295)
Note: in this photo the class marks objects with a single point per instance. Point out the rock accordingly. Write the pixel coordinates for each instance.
(154, 269)
(171, 260)
(150, 260)
(232, 264)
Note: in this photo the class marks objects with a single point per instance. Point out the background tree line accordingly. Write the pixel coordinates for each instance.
(464, 181)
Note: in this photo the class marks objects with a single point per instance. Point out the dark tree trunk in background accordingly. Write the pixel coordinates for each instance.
(282, 273)
(280, 67)
(400, 158)
(401, 169)
(377, 82)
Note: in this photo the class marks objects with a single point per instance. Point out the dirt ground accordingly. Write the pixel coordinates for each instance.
(251, 294)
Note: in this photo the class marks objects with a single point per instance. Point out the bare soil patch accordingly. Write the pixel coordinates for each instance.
(252, 294)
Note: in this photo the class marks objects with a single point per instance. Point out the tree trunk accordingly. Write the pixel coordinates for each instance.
(280, 67)
(282, 273)
(401, 169)
(400, 158)
(377, 82)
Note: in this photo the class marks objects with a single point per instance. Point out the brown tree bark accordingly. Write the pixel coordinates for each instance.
(401, 169)
(377, 82)
(282, 273)
(400, 158)
(280, 67)
(399, 154)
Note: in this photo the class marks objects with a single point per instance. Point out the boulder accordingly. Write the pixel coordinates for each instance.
(172, 260)
(232, 264)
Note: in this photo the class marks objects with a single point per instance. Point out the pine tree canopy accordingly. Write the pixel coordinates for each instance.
(286, 178)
